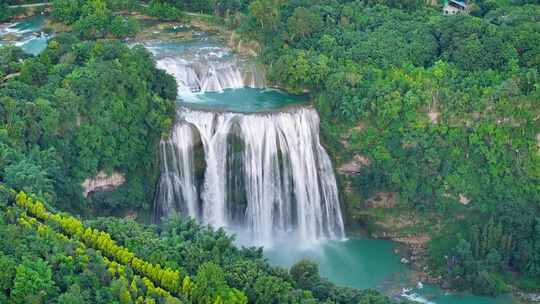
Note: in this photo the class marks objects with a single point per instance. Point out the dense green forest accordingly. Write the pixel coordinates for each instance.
(55, 258)
(446, 108)
(77, 108)
(6, 13)
(384, 67)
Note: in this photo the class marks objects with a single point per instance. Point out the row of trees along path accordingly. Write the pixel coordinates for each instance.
(116, 270)
(174, 281)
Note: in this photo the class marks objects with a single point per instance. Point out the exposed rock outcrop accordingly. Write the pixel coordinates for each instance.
(354, 166)
(103, 182)
(382, 200)
(433, 115)
(463, 199)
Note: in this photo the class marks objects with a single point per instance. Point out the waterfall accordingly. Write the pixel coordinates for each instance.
(178, 179)
(209, 69)
(262, 175)
(210, 77)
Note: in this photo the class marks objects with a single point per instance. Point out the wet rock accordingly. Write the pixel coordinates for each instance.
(10, 37)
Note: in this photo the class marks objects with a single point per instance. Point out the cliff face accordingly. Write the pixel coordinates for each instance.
(103, 182)
(354, 166)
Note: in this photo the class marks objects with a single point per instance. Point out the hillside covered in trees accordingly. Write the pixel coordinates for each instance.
(77, 108)
(444, 108)
(48, 257)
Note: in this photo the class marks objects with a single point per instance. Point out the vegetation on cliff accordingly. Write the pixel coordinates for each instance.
(78, 108)
(445, 109)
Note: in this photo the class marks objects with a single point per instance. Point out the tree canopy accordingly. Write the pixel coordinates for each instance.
(79, 108)
(444, 108)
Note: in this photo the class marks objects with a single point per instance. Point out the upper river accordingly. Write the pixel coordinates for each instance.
(286, 198)
(26, 34)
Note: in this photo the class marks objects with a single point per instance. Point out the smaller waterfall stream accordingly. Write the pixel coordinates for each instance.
(265, 174)
(206, 68)
(210, 77)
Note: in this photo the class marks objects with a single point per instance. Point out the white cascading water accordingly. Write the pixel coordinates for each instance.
(204, 77)
(264, 176)
(287, 176)
(177, 165)
(208, 69)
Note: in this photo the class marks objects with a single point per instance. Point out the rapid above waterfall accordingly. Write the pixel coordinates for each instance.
(211, 76)
(206, 66)
(265, 175)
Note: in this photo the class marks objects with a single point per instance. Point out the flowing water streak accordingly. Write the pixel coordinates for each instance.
(288, 180)
(177, 170)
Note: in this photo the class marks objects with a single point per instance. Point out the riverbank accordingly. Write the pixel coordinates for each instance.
(382, 218)
(25, 11)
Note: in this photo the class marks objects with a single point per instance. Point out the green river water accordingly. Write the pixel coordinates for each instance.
(368, 263)
(25, 34)
(244, 100)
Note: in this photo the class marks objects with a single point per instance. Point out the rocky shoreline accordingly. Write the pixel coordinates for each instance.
(413, 252)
